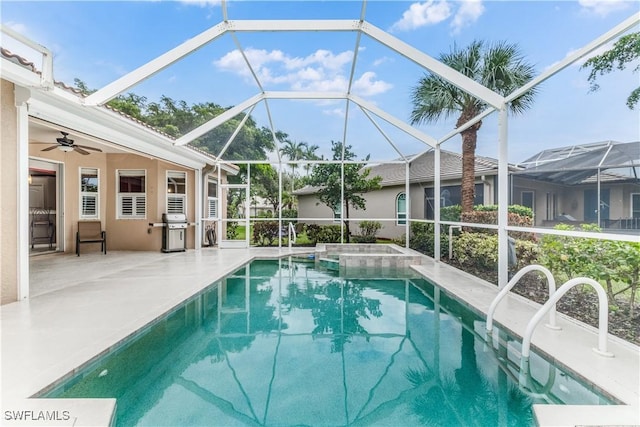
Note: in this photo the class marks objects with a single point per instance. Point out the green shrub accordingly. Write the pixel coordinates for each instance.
(451, 213)
(323, 233)
(369, 229)
(422, 239)
(232, 230)
(479, 251)
(329, 234)
(490, 216)
(363, 239)
(265, 232)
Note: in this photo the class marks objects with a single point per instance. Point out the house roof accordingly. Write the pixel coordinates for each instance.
(421, 169)
(577, 164)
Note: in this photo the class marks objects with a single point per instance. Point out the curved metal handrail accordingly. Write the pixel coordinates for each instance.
(504, 291)
(292, 230)
(603, 320)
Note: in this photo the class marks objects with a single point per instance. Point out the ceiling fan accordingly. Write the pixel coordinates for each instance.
(66, 144)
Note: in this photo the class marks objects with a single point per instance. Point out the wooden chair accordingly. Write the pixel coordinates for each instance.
(90, 232)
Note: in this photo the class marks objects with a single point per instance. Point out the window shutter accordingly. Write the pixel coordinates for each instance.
(89, 206)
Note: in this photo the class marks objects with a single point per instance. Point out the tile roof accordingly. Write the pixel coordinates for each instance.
(422, 169)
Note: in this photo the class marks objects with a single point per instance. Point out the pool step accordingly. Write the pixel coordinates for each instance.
(329, 263)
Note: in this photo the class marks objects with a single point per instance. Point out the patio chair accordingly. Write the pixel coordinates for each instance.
(91, 232)
(41, 227)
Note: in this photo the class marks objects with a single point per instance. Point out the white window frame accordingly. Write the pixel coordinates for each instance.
(402, 221)
(631, 204)
(137, 199)
(337, 214)
(95, 195)
(212, 201)
(176, 202)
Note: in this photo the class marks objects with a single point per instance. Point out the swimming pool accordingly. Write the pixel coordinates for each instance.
(280, 342)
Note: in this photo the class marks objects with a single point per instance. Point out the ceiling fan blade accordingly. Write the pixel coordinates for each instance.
(88, 148)
(80, 150)
(53, 147)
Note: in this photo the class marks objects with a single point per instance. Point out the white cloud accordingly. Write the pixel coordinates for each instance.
(321, 71)
(422, 14)
(367, 85)
(201, 3)
(468, 13)
(584, 59)
(339, 112)
(603, 7)
(382, 60)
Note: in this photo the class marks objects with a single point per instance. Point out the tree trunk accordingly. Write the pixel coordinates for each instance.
(469, 138)
(346, 222)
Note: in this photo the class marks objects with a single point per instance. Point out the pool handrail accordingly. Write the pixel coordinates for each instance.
(603, 320)
(292, 231)
(514, 280)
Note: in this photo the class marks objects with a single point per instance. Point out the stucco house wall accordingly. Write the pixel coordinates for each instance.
(8, 194)
(381, 204)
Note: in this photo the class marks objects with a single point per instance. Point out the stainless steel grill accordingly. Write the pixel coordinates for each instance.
(174, 232)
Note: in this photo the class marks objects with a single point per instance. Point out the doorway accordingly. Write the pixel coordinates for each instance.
(45, 213)
(591, 206)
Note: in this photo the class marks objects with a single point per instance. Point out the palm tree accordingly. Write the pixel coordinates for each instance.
(310, 154)
(499, 67)
(293, 151)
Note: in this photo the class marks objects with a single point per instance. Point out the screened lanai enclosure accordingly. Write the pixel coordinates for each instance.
(388, 170)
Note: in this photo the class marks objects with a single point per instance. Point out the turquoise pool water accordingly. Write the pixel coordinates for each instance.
(283, 343)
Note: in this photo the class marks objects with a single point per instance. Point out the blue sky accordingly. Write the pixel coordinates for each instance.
(99, 42)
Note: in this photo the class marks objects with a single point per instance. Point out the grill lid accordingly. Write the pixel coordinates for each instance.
(173, 218)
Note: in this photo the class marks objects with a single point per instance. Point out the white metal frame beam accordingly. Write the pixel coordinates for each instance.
(155, 65)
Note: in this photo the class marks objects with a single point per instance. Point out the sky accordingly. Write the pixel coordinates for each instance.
(98, 42)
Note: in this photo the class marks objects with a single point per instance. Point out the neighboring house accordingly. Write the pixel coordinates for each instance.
(388, 205)
(562, 185)
(124, 174)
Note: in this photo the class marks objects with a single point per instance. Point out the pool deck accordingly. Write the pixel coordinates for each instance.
(81, 307)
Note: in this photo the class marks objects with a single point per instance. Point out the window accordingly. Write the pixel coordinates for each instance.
(337, 213)
(635, 205)
(176, 192)
(449, 196)
(89, 194)
(212, 198)
(401, 209)
(528, 199)
(132, 196)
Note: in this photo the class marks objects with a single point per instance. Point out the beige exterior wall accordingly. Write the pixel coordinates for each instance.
(122, 234)
(8, 194)
(382, 204)
(570, 199)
